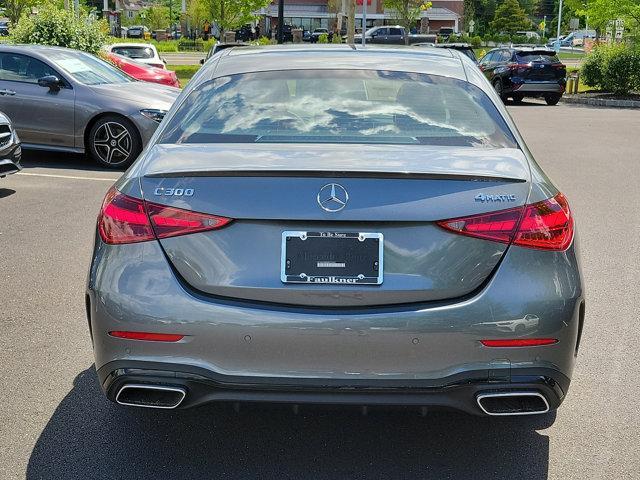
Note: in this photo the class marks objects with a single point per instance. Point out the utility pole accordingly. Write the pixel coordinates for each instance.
(364, 22)
(280, 21)
(559, 25)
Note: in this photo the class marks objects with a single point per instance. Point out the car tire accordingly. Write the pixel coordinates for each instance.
(517, 97)
(114, 142)
(497, 86)
(552, 99)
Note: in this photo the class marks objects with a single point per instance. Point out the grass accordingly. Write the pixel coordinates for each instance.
(184, 72)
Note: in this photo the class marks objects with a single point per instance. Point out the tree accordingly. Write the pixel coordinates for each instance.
(156, 17)
(351, 21)
(408, 12)
(230, 14)
(509, 18)
(601, 12)
(15, 8)
(62, 28)
(197, 12)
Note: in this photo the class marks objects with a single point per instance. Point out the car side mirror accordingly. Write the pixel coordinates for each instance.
(202, 61)
(51, 82)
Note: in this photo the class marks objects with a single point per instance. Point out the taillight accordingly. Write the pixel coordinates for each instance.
(545, 225)
(125, 219)
(519, 66)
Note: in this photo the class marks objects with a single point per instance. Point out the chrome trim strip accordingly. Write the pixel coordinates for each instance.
(182, 391)
(482, 396)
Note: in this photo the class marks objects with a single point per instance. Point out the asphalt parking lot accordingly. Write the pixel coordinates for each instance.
(55, 423)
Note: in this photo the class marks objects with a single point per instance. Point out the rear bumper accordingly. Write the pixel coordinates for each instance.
(539, 87)
(458, 392)
(421, 354)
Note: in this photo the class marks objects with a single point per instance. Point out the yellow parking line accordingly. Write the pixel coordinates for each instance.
(68, 176)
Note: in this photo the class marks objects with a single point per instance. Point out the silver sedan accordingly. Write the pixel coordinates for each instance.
(67, 100)
(337, 225)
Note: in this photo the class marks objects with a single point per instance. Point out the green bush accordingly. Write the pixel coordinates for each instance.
(58, 27)
(337, 38)
(476, 42)
(613, 68)
(323, 38)
(264, 41)
(591, 71)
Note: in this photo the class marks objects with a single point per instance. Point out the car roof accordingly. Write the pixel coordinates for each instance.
(526, 48)
(34, 48)
(131, 44)
(247, 59)
(452, 45)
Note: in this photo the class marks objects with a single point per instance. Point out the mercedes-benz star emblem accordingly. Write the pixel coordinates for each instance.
(332, 197)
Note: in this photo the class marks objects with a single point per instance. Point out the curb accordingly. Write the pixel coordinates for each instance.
(601, 102)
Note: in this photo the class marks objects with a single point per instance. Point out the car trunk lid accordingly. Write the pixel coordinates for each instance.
(396, 194)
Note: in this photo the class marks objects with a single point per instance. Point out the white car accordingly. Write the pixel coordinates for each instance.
(140, 52)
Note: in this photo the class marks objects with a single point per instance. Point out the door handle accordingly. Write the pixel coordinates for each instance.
(7, 92)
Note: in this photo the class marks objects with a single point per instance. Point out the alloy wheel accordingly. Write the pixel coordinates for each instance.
(112, 143)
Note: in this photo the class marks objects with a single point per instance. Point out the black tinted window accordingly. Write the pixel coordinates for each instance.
(395, 31)
(338, 106)
(22, 68)
(526, 57)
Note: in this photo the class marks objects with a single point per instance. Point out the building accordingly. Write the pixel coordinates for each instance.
(312, 14)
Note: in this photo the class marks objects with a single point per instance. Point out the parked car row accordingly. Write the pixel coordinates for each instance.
(61, 99)
(394, 35)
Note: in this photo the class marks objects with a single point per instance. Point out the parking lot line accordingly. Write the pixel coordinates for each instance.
(68, 176)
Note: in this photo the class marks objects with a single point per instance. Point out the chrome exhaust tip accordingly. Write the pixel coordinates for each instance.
(150, 396)
(512, 403)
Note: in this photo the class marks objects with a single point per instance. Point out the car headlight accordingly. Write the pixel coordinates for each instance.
(154, 114)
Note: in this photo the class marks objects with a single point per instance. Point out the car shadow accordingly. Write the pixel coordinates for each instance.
(527, 102)
(61, 160)
(90, 437)
(6, 192)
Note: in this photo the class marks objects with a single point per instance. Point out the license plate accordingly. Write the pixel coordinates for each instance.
(340, 258)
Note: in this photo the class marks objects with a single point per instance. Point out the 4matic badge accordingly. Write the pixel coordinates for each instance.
(484, 198)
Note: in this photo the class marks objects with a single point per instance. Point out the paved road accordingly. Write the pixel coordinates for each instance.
(183, 58)
(55, 424)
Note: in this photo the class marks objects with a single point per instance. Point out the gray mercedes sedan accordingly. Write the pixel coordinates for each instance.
(337, 225)
(66, 100)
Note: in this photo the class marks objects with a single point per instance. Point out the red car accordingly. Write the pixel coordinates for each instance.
(143, 72)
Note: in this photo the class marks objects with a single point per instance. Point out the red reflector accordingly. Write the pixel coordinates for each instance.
(546, 225)
(152, 337)
(125, 219)
(519, 342)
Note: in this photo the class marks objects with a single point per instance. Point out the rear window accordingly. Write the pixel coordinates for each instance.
(338, 106)
(134, 52)
(526, 57)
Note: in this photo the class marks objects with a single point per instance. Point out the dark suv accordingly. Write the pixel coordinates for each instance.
(519, 72)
